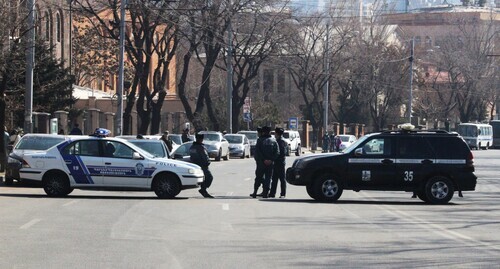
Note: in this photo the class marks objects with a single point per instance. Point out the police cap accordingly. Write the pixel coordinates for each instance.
(279, 130)
(266, 129)
(259, 129)
(199, 136)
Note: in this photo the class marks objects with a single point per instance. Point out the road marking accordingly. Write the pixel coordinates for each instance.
(247, 179)
(225, 207)
(70, 203)
(29, 224)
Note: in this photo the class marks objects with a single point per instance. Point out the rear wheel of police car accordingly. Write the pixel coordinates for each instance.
(439, 190)
(166, 186)
(56, 184)
(327, 188)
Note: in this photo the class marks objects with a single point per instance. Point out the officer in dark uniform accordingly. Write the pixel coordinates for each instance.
(266, 152)
(199, 156)
(185, 135)
(279, 165)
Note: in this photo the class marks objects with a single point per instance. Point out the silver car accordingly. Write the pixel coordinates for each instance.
(239, 145)
(219, 147)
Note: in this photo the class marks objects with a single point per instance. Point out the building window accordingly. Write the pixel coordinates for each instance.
(268, 80)
(58, 27)
(47, 26)
(281, 81)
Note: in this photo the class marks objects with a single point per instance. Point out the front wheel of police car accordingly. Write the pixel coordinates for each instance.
(439, 190)
(166, 186)
(327, 188)
(56, 185)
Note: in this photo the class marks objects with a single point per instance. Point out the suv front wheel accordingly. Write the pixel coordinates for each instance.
(439, 190)
(327, 188)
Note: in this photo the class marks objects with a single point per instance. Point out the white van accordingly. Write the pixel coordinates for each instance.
(293, 140)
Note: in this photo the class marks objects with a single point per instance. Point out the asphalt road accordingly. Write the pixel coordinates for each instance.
(91, 229)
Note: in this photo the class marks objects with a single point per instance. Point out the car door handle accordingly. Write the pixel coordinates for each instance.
(107, 163)
(427, 161)
(68, 161)
(387, 161)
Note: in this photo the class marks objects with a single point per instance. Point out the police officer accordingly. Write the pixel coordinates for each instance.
(279, 165)
(266, 152)
(167, 141)
(185, 136)
(326, 142)
(199, 156)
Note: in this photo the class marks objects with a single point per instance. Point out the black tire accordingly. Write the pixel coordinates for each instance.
(8, 181)
(166, 186)
(56, 185)
(327, 188)
(219, 156)
(310, 191)
(226, 158)
(421, 195)
(439, 190)
(298, 151)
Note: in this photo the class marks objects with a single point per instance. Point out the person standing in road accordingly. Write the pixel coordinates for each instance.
(199, 156)
(166, 140)
(266, 152)
(279, 165)
(185, 136)
(326, 142)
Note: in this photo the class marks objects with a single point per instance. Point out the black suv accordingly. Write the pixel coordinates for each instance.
(431, 164)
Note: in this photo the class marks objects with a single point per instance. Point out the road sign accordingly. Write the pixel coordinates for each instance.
(293, 123)
(247, 117)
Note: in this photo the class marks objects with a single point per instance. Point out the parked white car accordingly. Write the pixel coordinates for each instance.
(91, 162)
(346, 141)
(220, 146)
(292, 138)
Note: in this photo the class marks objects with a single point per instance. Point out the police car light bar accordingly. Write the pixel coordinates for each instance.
(101, 132)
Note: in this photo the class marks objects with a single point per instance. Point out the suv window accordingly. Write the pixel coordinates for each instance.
(448, 147)
(413, 147)
(377, 146)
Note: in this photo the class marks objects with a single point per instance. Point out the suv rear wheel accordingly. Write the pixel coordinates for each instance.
(439, 190)
(327, 188)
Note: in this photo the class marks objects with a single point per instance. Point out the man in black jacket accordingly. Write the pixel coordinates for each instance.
(266, 152)
(279, 166)
(199, 156)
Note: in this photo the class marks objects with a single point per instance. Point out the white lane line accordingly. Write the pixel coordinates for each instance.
(225, 207)
(29, 224)
(247, 179)
(70, 203)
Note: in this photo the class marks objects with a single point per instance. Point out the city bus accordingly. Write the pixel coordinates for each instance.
(496, 133)
(477, 135)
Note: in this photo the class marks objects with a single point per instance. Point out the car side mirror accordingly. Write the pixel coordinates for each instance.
(358, 152)
(137, 156)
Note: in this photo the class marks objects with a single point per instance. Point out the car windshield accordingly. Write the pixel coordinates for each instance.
(155, 147)
(250, 135)
(38, 142)
(176, 139)
(211, 137)
(234, 139)
(344, 138)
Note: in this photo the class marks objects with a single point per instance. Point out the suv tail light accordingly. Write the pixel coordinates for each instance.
(470, 159)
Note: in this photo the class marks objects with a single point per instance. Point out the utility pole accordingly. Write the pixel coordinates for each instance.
(327, 73)
(119, 92)
(30, 63)
(229, 63)
(412, 48)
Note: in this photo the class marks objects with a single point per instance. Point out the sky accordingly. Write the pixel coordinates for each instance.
(307, 5)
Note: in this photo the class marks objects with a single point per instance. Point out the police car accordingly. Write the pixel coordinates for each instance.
(431, 164)
(99, 162)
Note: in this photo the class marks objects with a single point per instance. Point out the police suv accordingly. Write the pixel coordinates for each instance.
(431, 164)
(97, 162)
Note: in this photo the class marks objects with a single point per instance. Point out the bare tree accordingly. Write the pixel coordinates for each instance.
(151, 28)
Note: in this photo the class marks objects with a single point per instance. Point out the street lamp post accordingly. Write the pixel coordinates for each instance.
(229, 75)
(30, 63)
(119, 93)
(327, 73)
(412, 48)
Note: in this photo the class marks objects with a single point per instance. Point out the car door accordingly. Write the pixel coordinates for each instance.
(371, 165)
(413, 158)
(83, 162)
(120, 167)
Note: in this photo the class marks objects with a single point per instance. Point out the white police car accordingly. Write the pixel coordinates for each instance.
(97, 162)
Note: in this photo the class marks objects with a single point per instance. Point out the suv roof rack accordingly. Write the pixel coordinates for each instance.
(436, 131)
